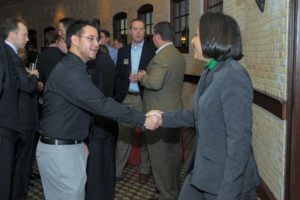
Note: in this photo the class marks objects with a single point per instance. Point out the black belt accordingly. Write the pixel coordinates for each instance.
(47, 140)
(134, 93)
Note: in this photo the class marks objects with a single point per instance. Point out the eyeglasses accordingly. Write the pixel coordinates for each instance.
(91, 39)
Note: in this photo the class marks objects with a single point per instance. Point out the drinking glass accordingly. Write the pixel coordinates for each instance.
(31, 66)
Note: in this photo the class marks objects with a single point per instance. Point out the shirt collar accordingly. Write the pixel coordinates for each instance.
(76, 59)
(137, 46)
(163, 46)
(109, 47)
(12, 46)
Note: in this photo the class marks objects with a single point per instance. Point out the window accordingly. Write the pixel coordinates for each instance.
(120, 26)
(213, 5)
(180, 21)
(145, 13)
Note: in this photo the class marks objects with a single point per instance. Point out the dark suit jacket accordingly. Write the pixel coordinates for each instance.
(101, 141)
(9, 91)
(222, 161)
(27, 102)
(124, 68)
(102, 71)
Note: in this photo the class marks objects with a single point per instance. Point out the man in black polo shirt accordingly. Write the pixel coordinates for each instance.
(69, 100)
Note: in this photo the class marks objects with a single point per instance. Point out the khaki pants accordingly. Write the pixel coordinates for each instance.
(164, 153)
(125, 139)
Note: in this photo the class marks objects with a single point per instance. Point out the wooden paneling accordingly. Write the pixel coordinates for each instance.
(264, 192)
(274, 105)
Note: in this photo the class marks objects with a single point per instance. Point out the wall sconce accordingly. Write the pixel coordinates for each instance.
(261, 5)
(183, 40)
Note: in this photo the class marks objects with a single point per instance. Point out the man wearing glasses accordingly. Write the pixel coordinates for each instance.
(69, 100)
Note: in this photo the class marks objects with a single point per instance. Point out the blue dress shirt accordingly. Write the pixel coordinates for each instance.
(113, 53)
(136, 52)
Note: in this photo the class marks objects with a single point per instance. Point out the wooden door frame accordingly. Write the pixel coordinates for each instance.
(292, 170)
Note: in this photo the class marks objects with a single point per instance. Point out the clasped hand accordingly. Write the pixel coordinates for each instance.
(153, 119)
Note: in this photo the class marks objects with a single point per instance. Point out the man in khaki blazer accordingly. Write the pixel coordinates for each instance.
(162, 91)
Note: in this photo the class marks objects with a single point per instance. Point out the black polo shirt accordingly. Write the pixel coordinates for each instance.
(70, 98)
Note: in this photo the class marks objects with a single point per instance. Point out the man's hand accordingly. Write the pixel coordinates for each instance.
(140, 74)
(61, 44)
(41, 85)
(34, 72)
(153, 120)
(41, 100)
(87, 150)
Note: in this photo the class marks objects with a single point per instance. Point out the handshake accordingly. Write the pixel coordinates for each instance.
(153, 119)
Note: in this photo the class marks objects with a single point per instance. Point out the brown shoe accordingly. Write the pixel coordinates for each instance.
(143, 178)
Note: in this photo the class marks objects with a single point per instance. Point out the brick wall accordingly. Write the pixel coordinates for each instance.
(268, 141)
(265, 45)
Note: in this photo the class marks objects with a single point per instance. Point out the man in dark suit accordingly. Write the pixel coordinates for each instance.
(129, 92)
(101, 162)
(163, 83)
(9, 124)
(15, 34)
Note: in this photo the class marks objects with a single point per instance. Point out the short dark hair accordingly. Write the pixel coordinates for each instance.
(136, 20)
(96, 23)
(75, 29)
(120, 40)
(48, 28)
(32, 36)
(165, 30)
(220, 37)
(106, 33)
(51, 37)
(10, 24)
(67, 21)
(104, 49)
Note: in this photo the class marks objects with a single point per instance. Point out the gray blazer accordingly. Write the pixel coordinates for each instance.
(222, 159)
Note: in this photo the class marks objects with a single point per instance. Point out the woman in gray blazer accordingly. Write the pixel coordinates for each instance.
(222, 165)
